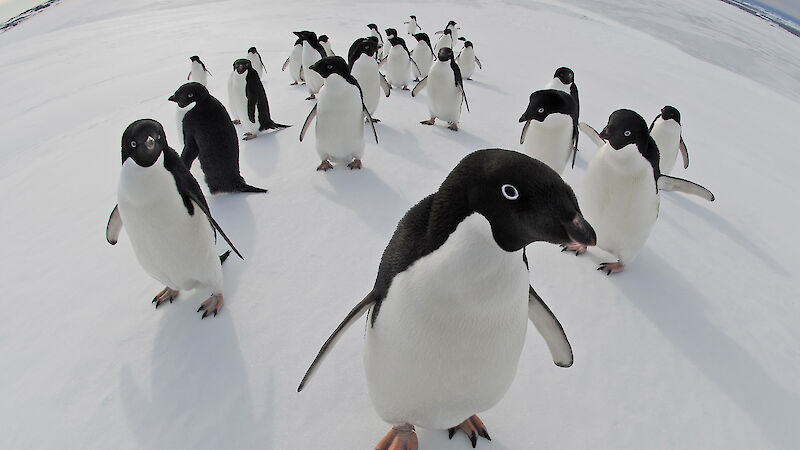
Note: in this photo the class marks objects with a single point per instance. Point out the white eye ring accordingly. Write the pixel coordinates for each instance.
(133, 144)
(541, 110)
(509, 192)
(627, 133)
(190, 95)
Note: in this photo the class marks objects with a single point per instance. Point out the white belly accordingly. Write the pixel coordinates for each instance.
(296, 63)
(398, 67)
(441, 352)
(314, 81)
(340, 121)
(444, 41)
(556, 84)
(667, 134)
(466, 62)
(423, 58)
(444, 98)
(365, 71)
(237, 100)
(197, 74)
(550, 141)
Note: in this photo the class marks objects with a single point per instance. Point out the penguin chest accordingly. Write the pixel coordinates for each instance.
(550, 141)
(444, 97)
(237, 86)
(296, 63)
(422, 58)
(365, 71)
(667, 134)
(450, 331)
(556, 84)
(340, 121)
(397, 67)
(197, 74)
(466, 62)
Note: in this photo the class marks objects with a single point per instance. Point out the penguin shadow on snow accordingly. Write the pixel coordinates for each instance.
(233, 213)
(486, 86)
(464, 138)
(261, 155)
(405, 144)
(437, 439)
(199, 391)
(677, 312)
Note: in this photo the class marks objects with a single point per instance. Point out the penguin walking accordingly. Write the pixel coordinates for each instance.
(295, 63)
(398, 64)
(167, 218)
(451, 25)
(312, 52)
(622, 186)
(325, 42)
(412, 25)
(364, 68)
(666, 131)
(247, 95)
(209, 135)
(198, 72)
(255, 61)
(445, 90)
(373, 29)
(445, 41)
(447, 316)
(340, 115)
(390, 33)
(551, 126)
(467, 61)
(422, 56)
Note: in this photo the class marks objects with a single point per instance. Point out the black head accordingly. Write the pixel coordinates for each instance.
(323, 38)
(445, 54)
(361, 46)
(467, 43)
(373, 39)
(413, 17)
(565, 75)
(372, 26)
(447, 32)
(548, 101)
(390, 32)
(524, 200)
(625, 127)
(189, 93)
(298, 42)
(452, 23)
(143, 141)
(670, 112)
(398, 41)
(252, 50)
(194, 58)
(242, 65)
(329, 65)
(300, 34)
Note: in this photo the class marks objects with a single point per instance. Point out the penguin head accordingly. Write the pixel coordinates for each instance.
(143, 142)
(627, 133)
(372, 26)
(323, 38)
(390, 32)
(545, 102)
(452, 23)
(445, 54)
(330, 65)
(194, 58)
(241, 66)
(366, 46)
(189, 93)
(467, 43)
(565, 75)
(523, 199)
(398, 41)
(252, 50)
(670, 112)
(447, 32)
(413, 17)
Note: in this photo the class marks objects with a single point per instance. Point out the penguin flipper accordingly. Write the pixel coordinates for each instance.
(550, 328)
(371, 122)
(684, 153)
(203, 207)
(285, 65)
(668, 183)
(479, 63)
(114, 226)
(359, 310)
(307, 123)
(387, 89)
(524, 132)
(593, 135)
(419, 87)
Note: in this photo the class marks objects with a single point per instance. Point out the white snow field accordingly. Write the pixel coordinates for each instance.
(693, 346)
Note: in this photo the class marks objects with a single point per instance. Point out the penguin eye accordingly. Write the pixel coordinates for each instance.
(190, 95)
(627, 133)
(133, 144)
(330, 66)
(541, 110)
(510, 192)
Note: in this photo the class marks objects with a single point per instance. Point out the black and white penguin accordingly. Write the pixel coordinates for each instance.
(412, 25)
(398, 64)
(198, 72)
(551, 128)
(325, 42)
(467, 61)
(451, 25)
(210, 136)
(295, 63)
(340, 113)
(167, 218)
(445, 90)
(364, 68)
(622, 186)
(313, 51)
(445, 41)
(564, 80)
(422, 56)
(373, 29)
(452, 295)
(248, 100)
(255, 61)
(666, 131)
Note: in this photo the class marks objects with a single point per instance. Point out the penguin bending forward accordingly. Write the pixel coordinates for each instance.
(445, 90)
(447, 316)
(248, 100)
(167, 218)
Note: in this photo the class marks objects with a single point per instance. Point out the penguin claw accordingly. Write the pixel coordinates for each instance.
(212, 305)
(325, 166)
(249, 136)
(472, 427)
(164, 295)
(401, 437)
(612, 267)
(428, 122)
(355, 164)
(579, 249)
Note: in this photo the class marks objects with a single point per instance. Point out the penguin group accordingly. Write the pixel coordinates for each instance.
(463, 245)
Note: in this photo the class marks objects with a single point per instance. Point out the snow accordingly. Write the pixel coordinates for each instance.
(693, 346)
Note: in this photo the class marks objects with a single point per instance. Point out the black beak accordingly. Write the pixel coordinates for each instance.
(604, 134)
(579, 230)
(172, 98)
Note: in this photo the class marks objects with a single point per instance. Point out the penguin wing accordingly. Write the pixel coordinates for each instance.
(387, 89)
(285, 64)
(114, 226)
(550, 328)
(382, 61)
(668, 183)
(307, 123)
(371, 123)
(684, 153)
(593, 135)
(524, 132)
(479, 63)
(419, 87)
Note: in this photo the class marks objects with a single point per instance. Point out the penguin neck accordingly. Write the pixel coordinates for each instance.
(142, 185)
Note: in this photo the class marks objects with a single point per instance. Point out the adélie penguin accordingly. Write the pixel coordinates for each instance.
(295, 63)
(373, 29)
(398, 64)
(446, 40)
(666, 131)
(325, 42)
(551, 127)
(249, 100)
(422, 56)
(467, 61)
(564, 80)
(412, 24)
(198, 71)
(167, 218)
(447, 315)
(312, 52)
(364, 68)
(255, 61)
(445, 90)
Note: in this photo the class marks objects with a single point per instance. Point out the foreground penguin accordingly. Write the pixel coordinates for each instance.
(551, 128)
(666, 131)
(295, 63)
(167, 218)
(255, 61)
(198, 72)
(210, 136)
(398, 64)
(364, 68)
(445, 90)
(312, 52)
(621, 188)
(467, 60)
(340, 113)
(412, 25)
(249, 100)
(447, 316)
(422, 56)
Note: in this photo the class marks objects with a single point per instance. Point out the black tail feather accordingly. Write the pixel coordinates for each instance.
(224, 256)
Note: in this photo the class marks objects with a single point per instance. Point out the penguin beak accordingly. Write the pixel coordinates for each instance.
(604, 134)
(579, 230)
(172, 98)
(150, 143)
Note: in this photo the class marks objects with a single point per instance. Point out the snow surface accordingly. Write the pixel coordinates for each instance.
(695, 345)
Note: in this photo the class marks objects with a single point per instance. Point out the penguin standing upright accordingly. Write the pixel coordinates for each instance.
(398, 64)
(621, 188)
(564, 80)
(373, 29)
(551, 125)
(340, 115)
(666, 131)
(422, 55)
(467, 60)
(198, 72)
(412, 25)
(210, 136)
(364, 68)
(167, 218)
(445, 90)
(255, 61)
(445, 41)
(325, 42)
(247, 93)
(295, 63)
(447, 315)
(312, 52)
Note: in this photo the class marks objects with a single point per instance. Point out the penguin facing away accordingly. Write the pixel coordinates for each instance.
(255, 61)
(452, 295)
(666, 131)
(167, 218)
(209, 135)
(198, 71)
(621, 190)
(412, 25)
(295, 63)
(467, 60)
(445, 90)
(248, 95)
(340, 113)
(551, 123)
(364, 68)
(422, 56)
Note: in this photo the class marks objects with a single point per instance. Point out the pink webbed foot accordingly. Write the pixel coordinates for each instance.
(249, 136)
(579, 249)
(612, 267)
(355, 164)
(428, 122)
(401, 437)
(325, 166)
(164, 295)
(473, 427)
(211, 306)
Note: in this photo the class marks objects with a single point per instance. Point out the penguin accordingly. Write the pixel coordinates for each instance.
(446, 90)
(390, 33)
(295, 63)
(422, 55)
(564, 80)
(666, 131)
(398, 64)
(255, 61)
(209, 135)
(412, 25)
(622, 186)
(312, 52)
(167, 218)
(451, 25)
(447, 315)
(551, 125)
(249, 100)
(340, 112)
(364, 68)
(446, 40)
(467, 60)
(374, 32)
(198, 71)
(324, 41)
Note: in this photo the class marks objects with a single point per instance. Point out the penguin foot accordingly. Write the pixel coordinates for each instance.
(428, 122)
(211, 306)
(237, 122)
(164, 295)
(612, 267)
(405, 88)
(355, 164)
(325, 166)
(453, 126)
(311, 97)
(294, 84)
(473, 427)
(401, 437)
(374, 120)
(579, 249)
(249, 136)
(274, 126)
